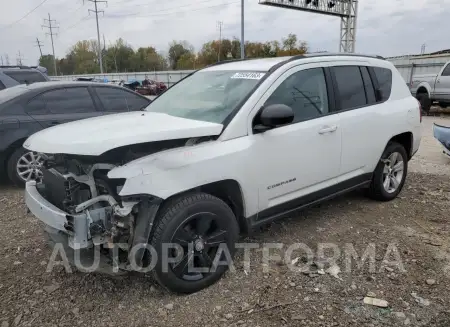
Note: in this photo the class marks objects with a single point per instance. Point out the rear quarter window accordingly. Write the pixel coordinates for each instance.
(26, 77)
(384, 79)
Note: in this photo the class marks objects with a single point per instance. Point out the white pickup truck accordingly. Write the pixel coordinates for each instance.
(429, 88)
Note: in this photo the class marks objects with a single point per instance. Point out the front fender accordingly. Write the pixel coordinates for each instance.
(170, 172)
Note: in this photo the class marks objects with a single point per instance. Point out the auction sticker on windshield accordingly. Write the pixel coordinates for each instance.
(248, 75)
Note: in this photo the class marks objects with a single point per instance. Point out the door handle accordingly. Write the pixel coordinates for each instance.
(53, 123)
(328, 129)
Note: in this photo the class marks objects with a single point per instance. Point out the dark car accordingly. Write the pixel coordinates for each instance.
(15, 75)
(27, 109)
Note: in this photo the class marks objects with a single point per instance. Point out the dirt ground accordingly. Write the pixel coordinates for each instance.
(410, 238)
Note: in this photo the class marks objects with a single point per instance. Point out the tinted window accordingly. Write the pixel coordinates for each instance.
(2, 86)
(71, 100)
(350, 86)
(384, 78)
(446, 71)
(135, 102)
(36, 106)
(115, 99)
(26, 77)
(368, 85)
(305, 92)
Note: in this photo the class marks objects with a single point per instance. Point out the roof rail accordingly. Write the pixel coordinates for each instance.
(342, 54)
(228, 61)
(16, 66)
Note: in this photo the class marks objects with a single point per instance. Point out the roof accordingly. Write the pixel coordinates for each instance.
(52, 84)
(265, 64)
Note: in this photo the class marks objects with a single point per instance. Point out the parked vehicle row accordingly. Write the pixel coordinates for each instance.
(430, 88)
(225, 150)
(25, 110)
(16, 75)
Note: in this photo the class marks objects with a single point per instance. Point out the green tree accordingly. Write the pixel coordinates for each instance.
(47, 62)
(176, 50)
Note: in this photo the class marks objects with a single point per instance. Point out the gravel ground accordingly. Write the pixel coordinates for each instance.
(410, 238)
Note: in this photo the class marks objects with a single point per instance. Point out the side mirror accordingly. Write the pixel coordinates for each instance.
(274, 115)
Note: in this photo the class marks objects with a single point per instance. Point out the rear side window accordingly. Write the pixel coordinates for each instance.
(350, 86)
(26, 77)
(370, 90)
(117, 100)
(384, 78)
(62, 101)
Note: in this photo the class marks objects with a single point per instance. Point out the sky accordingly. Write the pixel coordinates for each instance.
(384, 27)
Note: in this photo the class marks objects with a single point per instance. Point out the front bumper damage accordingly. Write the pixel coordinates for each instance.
(73, 233)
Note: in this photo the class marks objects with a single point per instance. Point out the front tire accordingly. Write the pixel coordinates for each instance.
(201, 224)
(24, 165)
(390, 174)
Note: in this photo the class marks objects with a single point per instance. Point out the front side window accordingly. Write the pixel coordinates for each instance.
(446, 71)
(207, 95)
(305, 92)
(350, 86)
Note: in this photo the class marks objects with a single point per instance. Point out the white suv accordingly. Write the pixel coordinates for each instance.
(229, 148)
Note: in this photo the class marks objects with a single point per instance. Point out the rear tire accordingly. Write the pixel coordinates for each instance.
(201, 221)
(425, 102)
(390, 174)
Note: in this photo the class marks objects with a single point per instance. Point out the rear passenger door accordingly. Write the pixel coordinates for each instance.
(361, 118)
(115, 100)
(62, 105)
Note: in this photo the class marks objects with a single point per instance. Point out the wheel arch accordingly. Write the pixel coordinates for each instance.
(423, 88)
(406, 139)
(228, 190)
(11, 148)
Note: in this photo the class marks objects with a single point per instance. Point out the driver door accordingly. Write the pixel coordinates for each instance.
(302, 158)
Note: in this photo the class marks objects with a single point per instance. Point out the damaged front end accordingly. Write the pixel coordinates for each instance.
(82, 210)
(442, 134)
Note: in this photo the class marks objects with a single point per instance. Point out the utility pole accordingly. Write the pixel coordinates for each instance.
(242, 31)
(219, 26)
(422, 49)
(50, 28)
(39, 44)
(7, 59)
(2, 60)
(98, 30)
(19, 59)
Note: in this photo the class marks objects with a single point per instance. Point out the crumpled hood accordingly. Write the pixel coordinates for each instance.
(95, 136)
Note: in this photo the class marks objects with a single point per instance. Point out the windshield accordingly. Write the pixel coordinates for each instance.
(206, 95)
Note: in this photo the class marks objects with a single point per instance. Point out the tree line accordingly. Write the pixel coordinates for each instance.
(121, 57)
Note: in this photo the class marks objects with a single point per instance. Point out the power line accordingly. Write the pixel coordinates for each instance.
(99, 47)
(51, 33)
(39, 44)
(176, 12)
(73, 25)
(26, 15)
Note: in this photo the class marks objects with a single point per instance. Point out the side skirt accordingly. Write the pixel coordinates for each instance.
(282, 210)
